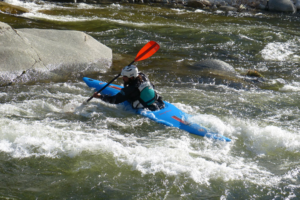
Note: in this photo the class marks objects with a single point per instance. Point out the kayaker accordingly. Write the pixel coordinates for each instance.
(138, 91)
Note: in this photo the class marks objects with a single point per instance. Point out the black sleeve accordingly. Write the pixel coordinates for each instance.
(122, 96)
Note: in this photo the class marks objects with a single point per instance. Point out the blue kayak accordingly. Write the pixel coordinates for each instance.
(169, 116)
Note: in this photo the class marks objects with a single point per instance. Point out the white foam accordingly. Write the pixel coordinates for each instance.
(292, 175)
(178, 10)
(5, 146)
(35, 14)
(246, 37)
(87, 6)
(214, 124)
(70, 108)
(294, 86)
(219, 11)
(186, 108)
(281, 51)
(263, 140)
(115, 5)
(65, 18)
(3, 94)
(33, 7)
(28, 138)
(177, 156)
(201, 11)
(172, 152)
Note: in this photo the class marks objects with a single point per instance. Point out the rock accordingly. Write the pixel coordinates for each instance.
(242, 8)
(253, 3)
(206, 3)
(281, 6)
(218, 72)
(214, 7)
(213, 71)
(215, 65)
(11, 9)
(228, 8)
(195, 4)
(14, 52)
(48, 52)
(220, 3)
(261, 7)
(254, 73)
(298, 4)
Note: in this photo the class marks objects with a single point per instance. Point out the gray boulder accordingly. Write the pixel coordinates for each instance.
(214, 65)
(47, 54)
(218, 72)
(282, 6)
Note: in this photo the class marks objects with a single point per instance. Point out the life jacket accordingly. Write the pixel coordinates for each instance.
(147, 93)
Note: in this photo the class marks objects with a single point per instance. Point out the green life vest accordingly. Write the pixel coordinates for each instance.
(147, 94)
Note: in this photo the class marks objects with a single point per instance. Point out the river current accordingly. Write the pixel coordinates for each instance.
(47, 151)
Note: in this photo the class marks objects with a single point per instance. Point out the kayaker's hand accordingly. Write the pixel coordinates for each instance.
(97, 95)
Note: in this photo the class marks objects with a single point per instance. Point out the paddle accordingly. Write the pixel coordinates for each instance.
(147, 51)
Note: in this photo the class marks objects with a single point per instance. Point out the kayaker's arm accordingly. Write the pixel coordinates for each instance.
(109, 99)
(122, 96)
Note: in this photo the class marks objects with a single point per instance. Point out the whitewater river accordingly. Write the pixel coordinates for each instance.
(104, 152)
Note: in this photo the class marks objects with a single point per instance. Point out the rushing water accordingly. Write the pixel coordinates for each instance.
(104, 152)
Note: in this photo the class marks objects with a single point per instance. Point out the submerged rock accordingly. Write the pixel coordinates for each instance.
(253, 73)
(11, 9)
(218, 72)
(47, 54)
(213, 71)
(214, 64)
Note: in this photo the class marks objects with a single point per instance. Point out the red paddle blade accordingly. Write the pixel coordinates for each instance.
(148, 50)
